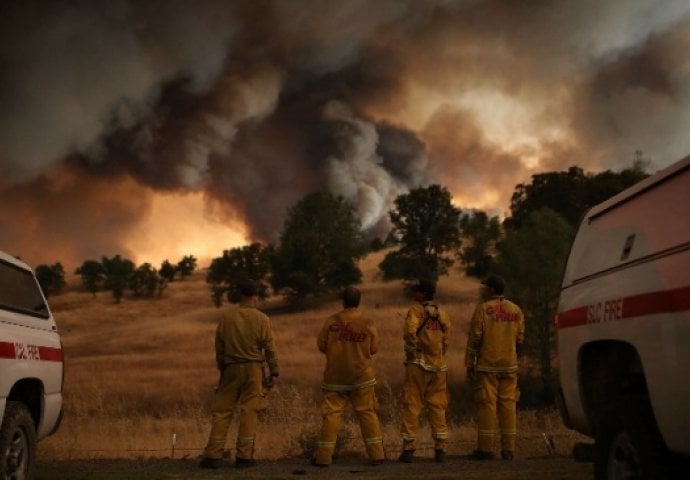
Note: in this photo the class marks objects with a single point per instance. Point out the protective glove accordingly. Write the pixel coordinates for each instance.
(270, 381)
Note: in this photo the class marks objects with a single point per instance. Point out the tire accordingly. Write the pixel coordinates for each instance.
(619, 458)
(628, 444)
(17, 443)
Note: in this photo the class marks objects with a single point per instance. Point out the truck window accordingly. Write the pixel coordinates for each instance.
(19, 291)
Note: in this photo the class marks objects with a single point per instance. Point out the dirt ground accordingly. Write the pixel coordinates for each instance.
(535, 468)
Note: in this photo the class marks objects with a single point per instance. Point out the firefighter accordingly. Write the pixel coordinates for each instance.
(426, 333)
(349, 339)
(244, 339)
(495, 337)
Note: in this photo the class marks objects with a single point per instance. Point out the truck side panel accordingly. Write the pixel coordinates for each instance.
(652, 222)
(656, 323)
(27, 353)
(628, 280)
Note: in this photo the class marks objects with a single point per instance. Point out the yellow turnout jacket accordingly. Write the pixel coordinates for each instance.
(244, 335)
(426, 334)
(497, 326)
(349, 340)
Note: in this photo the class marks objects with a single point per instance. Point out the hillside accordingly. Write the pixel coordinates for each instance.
(142, 370)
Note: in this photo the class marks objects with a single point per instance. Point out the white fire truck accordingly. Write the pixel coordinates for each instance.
(624, 330)
(31, 369)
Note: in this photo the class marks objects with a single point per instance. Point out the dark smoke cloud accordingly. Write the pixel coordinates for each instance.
(257, 103)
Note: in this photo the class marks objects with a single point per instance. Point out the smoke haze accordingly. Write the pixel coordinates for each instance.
(107, 107)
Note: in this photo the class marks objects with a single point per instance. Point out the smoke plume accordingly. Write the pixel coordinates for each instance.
(254, 104)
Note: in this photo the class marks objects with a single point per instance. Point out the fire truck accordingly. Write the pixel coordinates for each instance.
(31, 369)
(623, 330)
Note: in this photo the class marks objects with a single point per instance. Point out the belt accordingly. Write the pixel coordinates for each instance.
(241, 361)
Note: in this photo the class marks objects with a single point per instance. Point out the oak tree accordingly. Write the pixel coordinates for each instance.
(319, 247)
(426, 229)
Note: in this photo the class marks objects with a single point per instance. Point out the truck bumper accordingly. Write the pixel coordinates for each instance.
(52, 415)
(57, 423)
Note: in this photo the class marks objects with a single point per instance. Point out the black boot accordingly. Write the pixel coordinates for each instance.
(439, 456)
(244, 463)
(212, 463)
(316, 464)
(481, 455)
(407, 456)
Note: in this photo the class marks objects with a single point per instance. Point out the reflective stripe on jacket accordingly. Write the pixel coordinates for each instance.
(426, 334)
(497, 326)
(244, 335)
(349, 340)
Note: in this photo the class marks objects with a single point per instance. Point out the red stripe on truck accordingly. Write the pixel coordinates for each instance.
(652, 303)
(7, 350)
(665, 301)
(50, 354)
(30, 352)
(572, 318)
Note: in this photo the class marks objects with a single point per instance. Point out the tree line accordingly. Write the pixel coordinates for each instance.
(322, 241)
(117, 275)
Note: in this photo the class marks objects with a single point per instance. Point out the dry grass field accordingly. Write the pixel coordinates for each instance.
(141, 371)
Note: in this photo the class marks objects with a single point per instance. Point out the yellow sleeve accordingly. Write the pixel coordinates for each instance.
(521, 328)
(220, 345)
(474, 336)
(270, 348)
(410, 333)
(322, 339)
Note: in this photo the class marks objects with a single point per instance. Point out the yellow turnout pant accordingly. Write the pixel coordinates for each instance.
(496, 391)
(240, 385)
(423, 387)
(364, 404)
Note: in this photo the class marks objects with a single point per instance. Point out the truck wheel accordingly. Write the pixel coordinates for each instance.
(17, 443)
(619, 459)
(629, 446)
